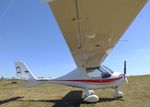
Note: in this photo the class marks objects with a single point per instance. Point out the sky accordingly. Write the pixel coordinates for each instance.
(30, 33)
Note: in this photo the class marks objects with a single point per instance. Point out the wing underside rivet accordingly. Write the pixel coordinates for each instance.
(74, 19)
(97, 45)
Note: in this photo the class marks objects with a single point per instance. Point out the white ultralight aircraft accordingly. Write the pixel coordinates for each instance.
(91, 29)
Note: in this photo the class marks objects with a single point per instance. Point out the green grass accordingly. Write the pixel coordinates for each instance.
(137, 94)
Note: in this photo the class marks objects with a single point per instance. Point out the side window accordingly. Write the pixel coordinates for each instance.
(94, 73)
(105, 74)
(98, 72)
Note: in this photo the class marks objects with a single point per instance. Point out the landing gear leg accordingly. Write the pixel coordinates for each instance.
(89, 96)
(118, 94)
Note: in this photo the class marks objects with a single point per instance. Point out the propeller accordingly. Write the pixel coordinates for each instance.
(125, 71)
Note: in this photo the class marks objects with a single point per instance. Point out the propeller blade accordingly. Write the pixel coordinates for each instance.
(126, 80)
(125, 69)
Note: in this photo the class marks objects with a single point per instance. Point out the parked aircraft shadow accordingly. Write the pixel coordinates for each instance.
(10, 100)
(72, 99)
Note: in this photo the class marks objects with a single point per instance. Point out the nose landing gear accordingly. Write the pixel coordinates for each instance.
(118, 94)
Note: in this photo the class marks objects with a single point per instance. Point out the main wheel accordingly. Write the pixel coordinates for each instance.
(91, 98)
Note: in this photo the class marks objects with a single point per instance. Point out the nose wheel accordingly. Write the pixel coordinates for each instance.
(118, 94)
(89, 96)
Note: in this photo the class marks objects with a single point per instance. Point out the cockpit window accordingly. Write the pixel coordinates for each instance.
(97, 72)
(94, 72)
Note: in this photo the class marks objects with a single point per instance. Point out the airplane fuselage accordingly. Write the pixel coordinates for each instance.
(79, 78)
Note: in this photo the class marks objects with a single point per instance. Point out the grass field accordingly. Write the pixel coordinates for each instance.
(137, 94)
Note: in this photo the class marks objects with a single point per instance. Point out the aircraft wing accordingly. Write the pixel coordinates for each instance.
(91, 28)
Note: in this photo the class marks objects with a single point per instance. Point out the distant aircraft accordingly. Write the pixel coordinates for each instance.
(91, 29)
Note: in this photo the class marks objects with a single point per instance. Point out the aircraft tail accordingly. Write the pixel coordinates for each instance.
(23, 73)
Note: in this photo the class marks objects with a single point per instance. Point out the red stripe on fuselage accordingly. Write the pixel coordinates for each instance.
(94, 81)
